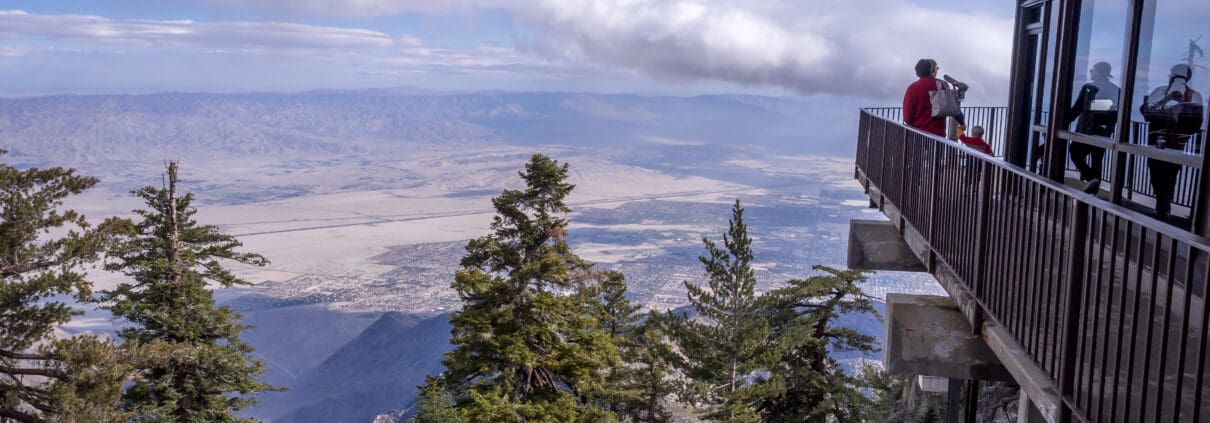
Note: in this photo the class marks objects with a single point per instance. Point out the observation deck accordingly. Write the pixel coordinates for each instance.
(1096, 309)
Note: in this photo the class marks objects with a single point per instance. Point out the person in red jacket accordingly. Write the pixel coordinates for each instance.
(972, 164)
(976, 141)
(917, 109)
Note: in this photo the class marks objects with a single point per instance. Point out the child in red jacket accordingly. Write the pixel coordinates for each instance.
(976, 141)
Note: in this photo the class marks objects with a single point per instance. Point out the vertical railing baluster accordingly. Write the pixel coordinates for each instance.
(1190, 263)
(932, 231)
(1075, 280)
(1155, 283)
(1159, 391)
(1200, 374)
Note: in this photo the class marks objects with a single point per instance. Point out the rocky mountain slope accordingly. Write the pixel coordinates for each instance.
(375, 373)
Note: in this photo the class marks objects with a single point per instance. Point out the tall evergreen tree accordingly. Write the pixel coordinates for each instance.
(42, 250)
(886, 392)
(636, 389)
(931, 416)
(436, 405)
(724, 347)
(805, 383)
(526, 344)
(654, 378)
(192, 364)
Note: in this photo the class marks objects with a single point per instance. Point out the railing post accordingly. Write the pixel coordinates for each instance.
(882, 160)
(934, 182)
(903, 165)
(862, 142)
(991, 129)
(983, 224)
(1076, 257)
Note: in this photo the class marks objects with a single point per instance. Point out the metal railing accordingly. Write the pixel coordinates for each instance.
(992, 119)
(1108, 302)
(1138, 178)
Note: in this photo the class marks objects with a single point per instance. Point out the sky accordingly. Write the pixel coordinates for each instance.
(862, 49)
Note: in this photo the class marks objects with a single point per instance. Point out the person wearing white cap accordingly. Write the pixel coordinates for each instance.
(1174, 113)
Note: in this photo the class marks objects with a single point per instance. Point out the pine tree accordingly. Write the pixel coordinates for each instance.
(886, 393)
(192, 365)
(635, 390)
(722, 351)
(805, 382)
(618, 316)
(655, 377)
(42, 250)
(526, 344)
(930, 416)
(436, 405)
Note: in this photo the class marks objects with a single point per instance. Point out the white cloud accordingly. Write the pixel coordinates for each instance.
(8, 51)
(814, 47)
(360, 8)
(865, 48)
(16, 23)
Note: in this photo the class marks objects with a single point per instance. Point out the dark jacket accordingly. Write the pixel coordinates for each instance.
(1095, 119)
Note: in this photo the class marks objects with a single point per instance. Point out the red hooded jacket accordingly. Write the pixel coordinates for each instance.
(976, 143)
(918, 110)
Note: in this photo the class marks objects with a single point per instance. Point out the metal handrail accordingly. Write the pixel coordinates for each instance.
(1136, 178)
(1123, 212)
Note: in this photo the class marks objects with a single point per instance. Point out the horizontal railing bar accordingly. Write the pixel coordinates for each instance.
(1181, 235)
(1171, 156)
(1092, 140)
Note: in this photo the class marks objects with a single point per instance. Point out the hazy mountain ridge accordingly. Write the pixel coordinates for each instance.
(73, 129)
(376, 372)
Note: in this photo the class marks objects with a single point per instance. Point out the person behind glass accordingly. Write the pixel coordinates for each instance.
(917, 108)
(1097, 110)
(1174, 114)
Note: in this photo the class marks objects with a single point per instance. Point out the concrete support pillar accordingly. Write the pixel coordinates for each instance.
(878, 245)
(1027, 412)
(953, 401)
(971, 405)
(928, 335)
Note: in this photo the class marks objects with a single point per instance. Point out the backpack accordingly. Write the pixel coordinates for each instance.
(945, 102)
(1183, 117)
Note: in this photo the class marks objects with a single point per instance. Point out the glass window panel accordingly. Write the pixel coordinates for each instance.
(1033, 14)
(1172, 80)
(1099, 52)
(1044, 67)
(1169, 101)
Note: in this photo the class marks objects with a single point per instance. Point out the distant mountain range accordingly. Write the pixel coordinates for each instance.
(72, 130)
(378, 371)
(375, 373)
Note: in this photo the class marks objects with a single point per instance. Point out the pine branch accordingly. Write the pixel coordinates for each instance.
(24, 371)
(18, 269)
(20, 416)
(27, 356)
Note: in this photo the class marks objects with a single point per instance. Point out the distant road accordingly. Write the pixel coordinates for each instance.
(414, 217)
